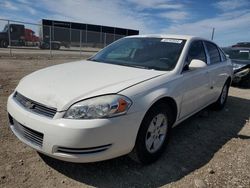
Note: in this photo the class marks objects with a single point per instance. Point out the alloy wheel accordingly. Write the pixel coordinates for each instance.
(156, 133)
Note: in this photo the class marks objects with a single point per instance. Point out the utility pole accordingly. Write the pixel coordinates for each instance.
(9, 37)
(213, 33)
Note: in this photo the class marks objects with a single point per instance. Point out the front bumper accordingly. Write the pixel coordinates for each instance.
(74, 140)
(240, 75)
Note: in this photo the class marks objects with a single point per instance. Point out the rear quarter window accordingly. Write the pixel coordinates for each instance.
(222, 55)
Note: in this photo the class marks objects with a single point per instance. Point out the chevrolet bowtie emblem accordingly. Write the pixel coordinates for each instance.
(29, 105)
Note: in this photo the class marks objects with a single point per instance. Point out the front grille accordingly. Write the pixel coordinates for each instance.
(26, 133)
(83, 150)
(34, 106)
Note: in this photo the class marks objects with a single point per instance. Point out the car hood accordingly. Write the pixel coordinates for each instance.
(62, 85)
(240, 64)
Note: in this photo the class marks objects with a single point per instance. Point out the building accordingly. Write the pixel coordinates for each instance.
(82, 34)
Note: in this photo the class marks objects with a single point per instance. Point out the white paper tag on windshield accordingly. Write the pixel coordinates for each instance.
(172, 40)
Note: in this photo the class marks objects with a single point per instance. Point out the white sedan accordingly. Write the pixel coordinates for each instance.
(125, 99)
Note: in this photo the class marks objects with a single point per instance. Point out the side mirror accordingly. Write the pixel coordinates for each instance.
(196, 63)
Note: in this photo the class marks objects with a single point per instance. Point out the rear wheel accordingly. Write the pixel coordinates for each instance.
(153, 134)
(220, 103)
(55, 46)
(4, 43)
(44, 45)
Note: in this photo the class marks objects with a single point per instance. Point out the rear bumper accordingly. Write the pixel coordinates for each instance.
(74, 140)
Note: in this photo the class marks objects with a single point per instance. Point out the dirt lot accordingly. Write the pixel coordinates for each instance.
(211, 149)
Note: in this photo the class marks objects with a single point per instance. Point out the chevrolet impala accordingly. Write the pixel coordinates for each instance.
(123, 100)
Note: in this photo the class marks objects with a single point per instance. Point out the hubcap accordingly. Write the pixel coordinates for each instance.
(156, 133)
(223, 94)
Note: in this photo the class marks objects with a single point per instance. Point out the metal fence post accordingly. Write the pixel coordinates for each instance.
(70, 34)
(9, 37)
(100, 42)
(86, 35)
(105, 38)
(80, 43)
(50, 51)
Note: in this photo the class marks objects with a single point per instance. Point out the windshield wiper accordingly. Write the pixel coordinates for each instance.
(125, 64)
(136, 66)
(95, 60)
(131, 65)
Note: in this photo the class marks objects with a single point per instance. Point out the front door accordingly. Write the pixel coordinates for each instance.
(195, 83)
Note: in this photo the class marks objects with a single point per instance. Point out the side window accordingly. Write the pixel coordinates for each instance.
(196, 51)
(13, 29)
(213, 52)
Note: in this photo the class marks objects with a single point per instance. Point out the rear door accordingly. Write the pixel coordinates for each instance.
(216, 68)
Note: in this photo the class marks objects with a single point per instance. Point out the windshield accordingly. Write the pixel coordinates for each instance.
(148, 53)
(240, 54)
(5, 28)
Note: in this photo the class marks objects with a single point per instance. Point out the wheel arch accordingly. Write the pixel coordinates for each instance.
(171, 102)
(229, 80)
(166, 100)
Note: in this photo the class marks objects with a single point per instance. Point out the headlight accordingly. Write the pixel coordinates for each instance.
(237, 66)
(99, 107)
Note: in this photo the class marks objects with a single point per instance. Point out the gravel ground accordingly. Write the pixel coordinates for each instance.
(211, 149)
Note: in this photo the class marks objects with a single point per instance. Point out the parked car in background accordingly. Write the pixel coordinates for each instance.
(241, 63)
(125, 99)
(242, 45)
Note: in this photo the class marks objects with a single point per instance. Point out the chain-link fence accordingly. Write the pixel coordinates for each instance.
(40, 38)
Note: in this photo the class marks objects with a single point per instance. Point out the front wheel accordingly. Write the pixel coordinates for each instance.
(220, 103)
(153, 134)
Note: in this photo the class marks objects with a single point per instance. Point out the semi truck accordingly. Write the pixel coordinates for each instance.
(21, 36)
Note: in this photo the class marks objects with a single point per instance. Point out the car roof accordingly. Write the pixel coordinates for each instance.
(238, 48)
(183, 37)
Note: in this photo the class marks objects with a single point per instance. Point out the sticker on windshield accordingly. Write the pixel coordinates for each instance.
(244, 51)
(172, 40)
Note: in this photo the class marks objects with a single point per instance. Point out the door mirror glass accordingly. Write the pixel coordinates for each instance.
(196, 63)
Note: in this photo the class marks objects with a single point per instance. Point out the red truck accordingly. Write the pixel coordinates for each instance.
(21, 36)
(30, 38)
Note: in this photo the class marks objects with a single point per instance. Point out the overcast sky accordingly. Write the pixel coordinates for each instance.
(230, 18)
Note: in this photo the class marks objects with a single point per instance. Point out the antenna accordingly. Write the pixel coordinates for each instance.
(212, 38)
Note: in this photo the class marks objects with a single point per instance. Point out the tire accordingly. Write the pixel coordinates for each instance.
(55, 46)
(220, 103)
(4, 44)
(45, 46)
(150, 144)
